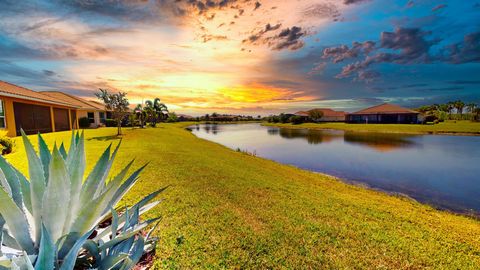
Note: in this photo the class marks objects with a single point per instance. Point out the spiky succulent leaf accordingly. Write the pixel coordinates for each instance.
(16, 221)
(111, 261)
(25, 189)
(45, 155)
(14, 183)
(62, 151)
(47, 252)
(76, 167)
(37, 184)
(69, 260)
(99, 171)
(56, 197)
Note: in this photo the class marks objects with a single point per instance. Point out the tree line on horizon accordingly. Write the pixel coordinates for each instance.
(453, 110)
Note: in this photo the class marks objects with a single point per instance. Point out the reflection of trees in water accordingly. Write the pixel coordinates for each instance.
(211, 128)
(383, 142)
(312, 136)
(273, 131)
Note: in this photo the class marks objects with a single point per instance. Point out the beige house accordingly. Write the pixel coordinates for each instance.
(94, 111)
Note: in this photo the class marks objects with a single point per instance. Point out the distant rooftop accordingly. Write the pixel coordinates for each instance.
(326, 112)
(385, 108)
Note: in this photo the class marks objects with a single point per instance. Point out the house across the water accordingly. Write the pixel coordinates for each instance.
(34, 112)
(329, 115)
(384, 114)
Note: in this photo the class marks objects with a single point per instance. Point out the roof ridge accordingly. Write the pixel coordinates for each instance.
(82, 100)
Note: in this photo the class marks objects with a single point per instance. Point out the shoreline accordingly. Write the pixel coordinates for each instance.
(450, 210)
(391, 131)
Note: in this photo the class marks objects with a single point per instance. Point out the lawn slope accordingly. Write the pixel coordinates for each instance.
(230, 210)
(448, 127)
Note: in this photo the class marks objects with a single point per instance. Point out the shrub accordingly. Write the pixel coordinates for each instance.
(6, 145)
(65, 211)
(84, 122)
(111, 123)
(296, 119)
(172, 118)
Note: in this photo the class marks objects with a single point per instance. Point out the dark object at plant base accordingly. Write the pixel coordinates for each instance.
(7, 145)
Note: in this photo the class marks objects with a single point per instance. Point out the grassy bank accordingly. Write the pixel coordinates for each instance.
(448, 127)
(226, 209)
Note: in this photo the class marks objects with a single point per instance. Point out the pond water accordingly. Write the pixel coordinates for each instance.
(443, 171)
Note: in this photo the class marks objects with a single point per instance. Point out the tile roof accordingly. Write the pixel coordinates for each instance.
(16, 91)
(76, 101)
(385, 108)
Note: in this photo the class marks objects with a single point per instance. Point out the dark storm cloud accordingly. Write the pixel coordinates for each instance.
(287, 38)
(340, 53)
(466, 51)
(404, 46)
(258, 35)
(438, 7)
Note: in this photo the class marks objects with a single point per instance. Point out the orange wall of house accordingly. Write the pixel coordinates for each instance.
(10, 115)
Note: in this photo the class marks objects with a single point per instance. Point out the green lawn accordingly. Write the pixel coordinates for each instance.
(227, 209)
(448, 127)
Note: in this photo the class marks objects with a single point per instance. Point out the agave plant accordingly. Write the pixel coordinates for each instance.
(46, 222)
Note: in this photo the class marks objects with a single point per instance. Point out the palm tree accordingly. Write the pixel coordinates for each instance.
(450, 105)
(459, 105)
(471, 107)
(156, 110)
(141, 114)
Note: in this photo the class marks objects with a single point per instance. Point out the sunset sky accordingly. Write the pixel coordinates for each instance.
(247, 56)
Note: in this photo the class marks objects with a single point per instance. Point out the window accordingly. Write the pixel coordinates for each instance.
(102, 117)
(3, 123)
(91, 117)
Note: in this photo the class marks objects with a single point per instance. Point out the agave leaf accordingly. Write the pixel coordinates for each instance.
(89, 214)
(56, 197)
(136, 253)
(45, 155)
(63, 152)
(112, 261)
(129, 233)
(16, 220)
(101, 183)
(99, 171)
(76, 168)
(12, 179)
(92, 248)
(25, 189)
(72, 148)
(37, 184)
(125, 186)
(47, 252)
(122, 247)
(8, 239)
(122, 220)
(4, 184)
(2, 223)
(114, 223)
(69, 260)
(23, 262)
